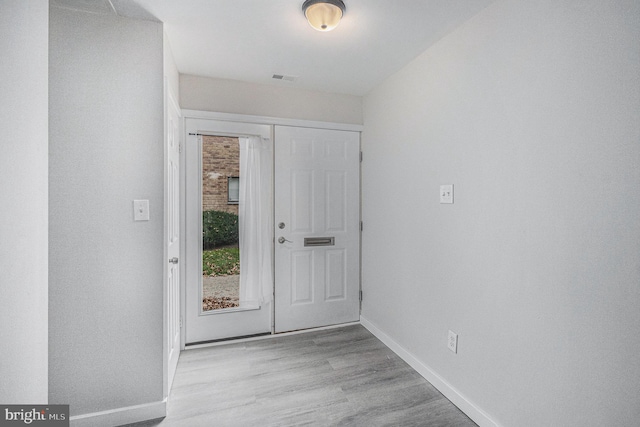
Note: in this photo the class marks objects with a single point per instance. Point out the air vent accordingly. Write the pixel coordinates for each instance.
(284, 77)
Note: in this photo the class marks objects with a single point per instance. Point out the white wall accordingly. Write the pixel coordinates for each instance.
(531, 109)
(170, 69)
(105, 271)
(24, 35)
(231, 96)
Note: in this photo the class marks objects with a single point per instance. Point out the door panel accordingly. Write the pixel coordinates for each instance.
(316, 196)
(336, 271)
(172, 234)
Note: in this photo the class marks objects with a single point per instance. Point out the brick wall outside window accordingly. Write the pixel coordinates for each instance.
(220, 160)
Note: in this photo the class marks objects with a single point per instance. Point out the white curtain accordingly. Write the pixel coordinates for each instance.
(255, 221)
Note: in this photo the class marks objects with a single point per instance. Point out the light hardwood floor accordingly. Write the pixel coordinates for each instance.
(336, 377)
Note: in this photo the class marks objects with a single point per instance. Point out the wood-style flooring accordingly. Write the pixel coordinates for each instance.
(336, 377)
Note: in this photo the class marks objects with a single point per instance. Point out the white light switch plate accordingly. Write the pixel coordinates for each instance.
(446, 193)
(452, 341)
(141, 210)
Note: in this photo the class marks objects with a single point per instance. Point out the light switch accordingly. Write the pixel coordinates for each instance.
(141, 210)
(446, 193)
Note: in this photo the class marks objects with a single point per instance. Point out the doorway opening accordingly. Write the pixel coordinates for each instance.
(220, 197)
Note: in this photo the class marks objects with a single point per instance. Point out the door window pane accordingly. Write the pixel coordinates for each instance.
(220, 252)
(233, 189)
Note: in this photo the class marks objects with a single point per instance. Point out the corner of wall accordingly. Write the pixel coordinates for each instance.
(24, 29)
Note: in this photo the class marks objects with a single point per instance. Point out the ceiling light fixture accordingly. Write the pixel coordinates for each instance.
(323, 15)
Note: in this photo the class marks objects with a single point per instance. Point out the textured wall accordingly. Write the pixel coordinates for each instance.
(24, 35)
(231, 96)
(106, 271)
(531, 110)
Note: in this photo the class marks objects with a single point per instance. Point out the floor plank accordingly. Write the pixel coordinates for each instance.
(336, 377)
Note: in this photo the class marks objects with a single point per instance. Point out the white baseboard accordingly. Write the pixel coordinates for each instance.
(120, 416)
(457, 398)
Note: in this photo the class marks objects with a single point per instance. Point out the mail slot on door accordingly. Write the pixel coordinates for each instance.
(319, 241)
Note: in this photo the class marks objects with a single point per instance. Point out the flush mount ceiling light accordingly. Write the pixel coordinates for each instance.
(323, 15)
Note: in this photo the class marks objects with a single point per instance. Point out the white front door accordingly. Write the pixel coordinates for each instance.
(207, 325)
(172, 235)
(317, 223)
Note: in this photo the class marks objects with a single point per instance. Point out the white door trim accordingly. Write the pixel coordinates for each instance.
(272, 121)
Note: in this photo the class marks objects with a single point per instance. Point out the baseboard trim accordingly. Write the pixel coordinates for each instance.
(121, 416)
(457, 398)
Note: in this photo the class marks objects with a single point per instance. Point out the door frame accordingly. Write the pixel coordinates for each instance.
(238, 118)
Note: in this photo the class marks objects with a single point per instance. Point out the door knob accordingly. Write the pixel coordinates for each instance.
(173, 260)
(281, 240)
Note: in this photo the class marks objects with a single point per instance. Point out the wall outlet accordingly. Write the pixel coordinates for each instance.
(452, 342)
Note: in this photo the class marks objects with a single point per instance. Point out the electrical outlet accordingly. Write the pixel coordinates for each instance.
(452, 342)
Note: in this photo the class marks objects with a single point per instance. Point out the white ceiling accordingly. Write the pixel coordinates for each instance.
(250, 40)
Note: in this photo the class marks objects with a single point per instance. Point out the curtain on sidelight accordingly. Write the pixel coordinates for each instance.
(255, 221)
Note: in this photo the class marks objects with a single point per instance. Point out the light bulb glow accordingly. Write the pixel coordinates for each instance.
(323, 16)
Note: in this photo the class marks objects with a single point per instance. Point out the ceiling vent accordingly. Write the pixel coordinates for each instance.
(284, 77)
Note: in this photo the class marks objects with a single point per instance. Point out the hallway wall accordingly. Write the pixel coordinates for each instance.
(105, 271)
(531, 110)
(231, 96)
(24, 35)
